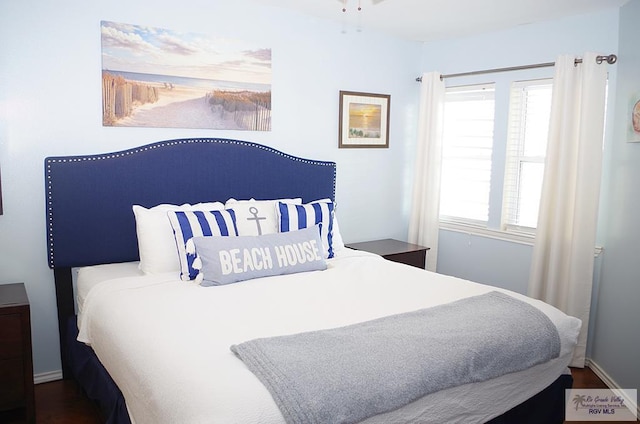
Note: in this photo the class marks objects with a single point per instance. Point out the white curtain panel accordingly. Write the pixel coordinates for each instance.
(563, 253)
(425, 208)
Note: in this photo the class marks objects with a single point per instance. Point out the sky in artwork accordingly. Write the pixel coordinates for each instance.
(148, 50)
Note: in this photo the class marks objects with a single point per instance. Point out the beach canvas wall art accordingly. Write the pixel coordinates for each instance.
(154, 77)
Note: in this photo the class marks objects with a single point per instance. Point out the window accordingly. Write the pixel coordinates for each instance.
(529, 112)
(493, 153)
(466, 153)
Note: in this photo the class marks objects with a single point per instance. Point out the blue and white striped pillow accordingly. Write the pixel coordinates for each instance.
(189, 224)
(296, 217)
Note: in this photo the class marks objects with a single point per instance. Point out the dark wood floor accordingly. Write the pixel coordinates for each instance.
(60, 402)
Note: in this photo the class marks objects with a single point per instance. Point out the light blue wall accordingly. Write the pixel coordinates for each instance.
(616, 341)
(614, 336)
(489, 260)
(50, 104)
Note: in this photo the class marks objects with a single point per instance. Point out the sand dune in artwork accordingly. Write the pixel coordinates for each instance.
(179, 107)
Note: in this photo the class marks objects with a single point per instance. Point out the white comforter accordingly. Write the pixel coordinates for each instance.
(166, 342)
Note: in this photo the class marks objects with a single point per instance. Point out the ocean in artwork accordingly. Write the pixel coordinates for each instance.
(196, 83)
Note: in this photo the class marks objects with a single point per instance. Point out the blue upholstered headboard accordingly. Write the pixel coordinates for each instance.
(89, 198)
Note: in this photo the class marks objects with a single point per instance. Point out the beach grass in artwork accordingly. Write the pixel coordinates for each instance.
(154, 77)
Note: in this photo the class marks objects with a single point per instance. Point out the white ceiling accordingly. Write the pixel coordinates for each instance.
(427, 20)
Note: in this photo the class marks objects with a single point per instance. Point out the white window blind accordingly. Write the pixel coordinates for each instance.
(529, 112)
(466, 153)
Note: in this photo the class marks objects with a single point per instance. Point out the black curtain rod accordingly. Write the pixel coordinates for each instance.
(610, 59)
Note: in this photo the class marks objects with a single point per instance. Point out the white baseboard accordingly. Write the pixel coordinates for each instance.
(606, 379)
(45, 377)
(610, 382)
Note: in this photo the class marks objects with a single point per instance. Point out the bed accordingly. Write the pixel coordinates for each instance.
(158, 349)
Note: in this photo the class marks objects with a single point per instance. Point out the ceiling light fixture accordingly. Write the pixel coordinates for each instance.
(344, 5)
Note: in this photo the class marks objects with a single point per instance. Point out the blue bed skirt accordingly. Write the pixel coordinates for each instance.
(93, 378)
(545, 407)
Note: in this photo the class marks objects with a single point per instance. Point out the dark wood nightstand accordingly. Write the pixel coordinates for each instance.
(16, 363)
(395, 250)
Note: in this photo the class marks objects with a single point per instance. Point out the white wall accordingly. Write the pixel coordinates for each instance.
(616, 335)
(50, 104)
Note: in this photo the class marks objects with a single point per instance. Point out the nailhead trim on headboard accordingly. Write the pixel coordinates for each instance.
(70, 160)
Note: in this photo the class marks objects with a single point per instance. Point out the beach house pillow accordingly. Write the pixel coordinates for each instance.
(156, 244)
(296, 217)
(189, 224)
(257, 217)
(226, 260)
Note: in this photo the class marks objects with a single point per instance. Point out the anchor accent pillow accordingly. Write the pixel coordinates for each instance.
(257, 217)
(226, 260)
(189, 224)
(296, 217)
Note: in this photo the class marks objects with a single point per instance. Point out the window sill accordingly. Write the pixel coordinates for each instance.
(478, 230)
(509, 236)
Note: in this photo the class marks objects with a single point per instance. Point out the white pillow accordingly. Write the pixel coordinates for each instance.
(156, 244)
(257, 217)
(338, 242)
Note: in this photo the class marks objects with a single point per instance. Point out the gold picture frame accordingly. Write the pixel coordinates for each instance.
(633, 130)
(1, 212)
(363, 120)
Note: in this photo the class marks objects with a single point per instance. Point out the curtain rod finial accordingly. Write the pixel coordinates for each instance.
(610, 59)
